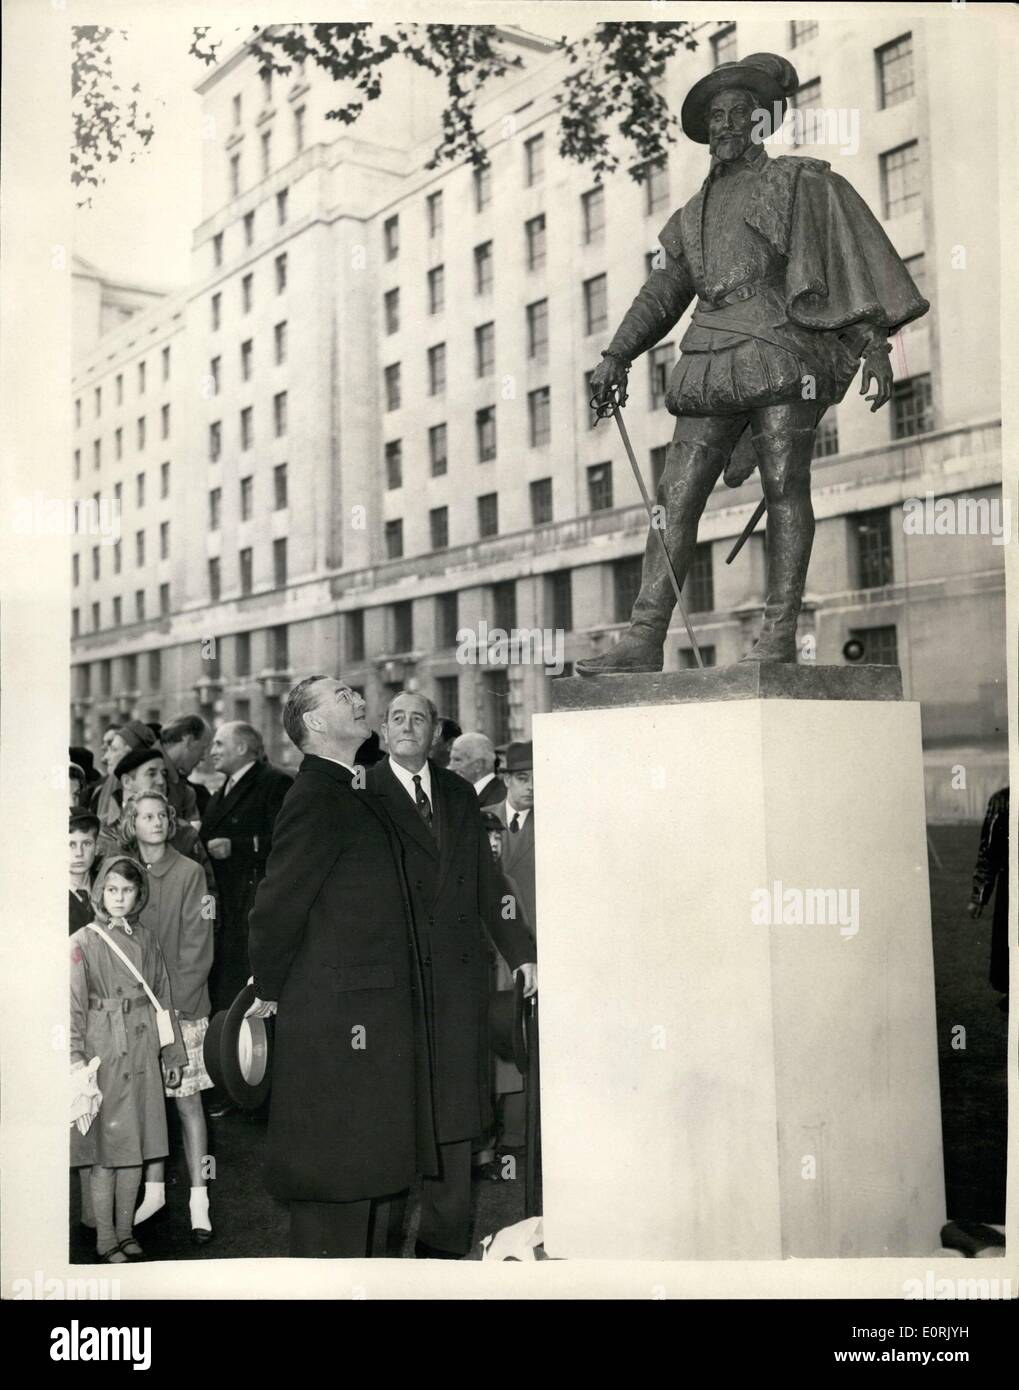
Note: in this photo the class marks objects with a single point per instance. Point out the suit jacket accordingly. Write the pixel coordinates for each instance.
(332, 941)
(493, 793)
(246, 817)
(518, 861)
(456, 893)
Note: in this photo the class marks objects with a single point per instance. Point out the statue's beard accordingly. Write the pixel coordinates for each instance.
(729, 147)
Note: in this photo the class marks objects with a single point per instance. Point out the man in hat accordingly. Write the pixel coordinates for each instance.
(795, 282)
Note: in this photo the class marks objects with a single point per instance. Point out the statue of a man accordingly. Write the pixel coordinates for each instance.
(795, 282)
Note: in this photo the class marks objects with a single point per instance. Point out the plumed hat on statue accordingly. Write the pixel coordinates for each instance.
(770, 78)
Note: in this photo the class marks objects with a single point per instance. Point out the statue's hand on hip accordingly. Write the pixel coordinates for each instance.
(877, 371)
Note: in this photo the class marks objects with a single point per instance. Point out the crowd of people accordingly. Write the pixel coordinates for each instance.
(371, 906)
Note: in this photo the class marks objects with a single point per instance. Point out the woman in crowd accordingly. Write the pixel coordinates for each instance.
(177, 913)
(113, 1018)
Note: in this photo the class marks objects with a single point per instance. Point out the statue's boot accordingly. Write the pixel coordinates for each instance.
(790, 540)
(690, 474)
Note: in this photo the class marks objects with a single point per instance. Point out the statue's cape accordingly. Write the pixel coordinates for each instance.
(841, 267)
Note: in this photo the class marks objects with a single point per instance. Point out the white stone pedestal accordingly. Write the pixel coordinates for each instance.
(715, 1086)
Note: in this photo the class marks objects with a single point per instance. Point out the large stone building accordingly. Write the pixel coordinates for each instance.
(363, 427)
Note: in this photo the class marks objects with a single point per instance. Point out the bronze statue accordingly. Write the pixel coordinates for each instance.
(795, 282)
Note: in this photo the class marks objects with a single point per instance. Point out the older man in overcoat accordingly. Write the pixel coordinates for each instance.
(457, 893)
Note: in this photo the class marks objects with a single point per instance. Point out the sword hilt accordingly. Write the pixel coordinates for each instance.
(616, 399)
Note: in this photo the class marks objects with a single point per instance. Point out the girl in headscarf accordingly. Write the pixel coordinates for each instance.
(112, 1018)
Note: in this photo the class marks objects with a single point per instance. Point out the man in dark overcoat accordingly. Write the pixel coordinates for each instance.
(333, 955)
(457, 893)
(237, 831)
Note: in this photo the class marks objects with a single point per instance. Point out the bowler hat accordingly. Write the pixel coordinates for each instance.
(770, 78)
(519, 758)
(507, 1032)
(136, 758)
(238, 1052)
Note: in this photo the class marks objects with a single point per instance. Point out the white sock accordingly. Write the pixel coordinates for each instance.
(200, 1209)
(153, 1201)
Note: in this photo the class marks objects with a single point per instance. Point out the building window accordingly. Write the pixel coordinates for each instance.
(658, 460)
(688, 661)
(541, 501)
(98, 401)
(96, 618)
(402, 626)
(534, 234)
(215, 306)
(447, 620)
(279, 334)
(242, 654)
(247, 356)
(504, 605)
(626, 576)
(77, 411)
(215, 585)
(139, 549)
(391, 376)
(97, 453)
(484, 349)
(266, 153)
(394, 463)
(353, 642)
(437, 450)
(141, 432)
(912, 408)
(267, 87)
(247, 427)
(559, 600)
(391, 309)
(654, 175)
(75, 570)
(75, 622)
(299, 129)
(166, 363)
(895, 71)
(95, 562)
(164, 422)
(438, 522)
(660, 363)
(539, 412)
(279, 646)
(807, 97)
(880, 644)
(433, 214)
(699, 585)
(235, 175)
(484, 425)
(279, 413)
(596, 311)
(482, 187)
(215, 508)
(139, 488)
(394, 540)
(391, 237)
(436, 289)
(117, 557)
(723, 46)
(447, 696)
(534, 160)
(164, 540)
(237, 110)
(77, 465)
(249, 228)
(801, 31)
(120, 388)
(247, 497)
(484, 268)
(164, 600)
(495, 685)
(826, 437)
(247, 572)
(488, 514)
(215, 440)
(139, 605)
(537, 330)
(247, 293)
(917, 267)
(279, 487)
(900, 179)
(214, 376)
(599, 487)
(281, 273)
(592, 207)
(279, 562)
(873, 532)
(437, 369)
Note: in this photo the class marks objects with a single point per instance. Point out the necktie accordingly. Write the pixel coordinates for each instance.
(515, 822)
(424, 806)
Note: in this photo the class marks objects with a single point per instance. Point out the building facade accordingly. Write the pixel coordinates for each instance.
(362, 430)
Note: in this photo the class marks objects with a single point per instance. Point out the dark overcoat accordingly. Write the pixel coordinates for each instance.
(331, 940)
(246, 817)
(456, 892)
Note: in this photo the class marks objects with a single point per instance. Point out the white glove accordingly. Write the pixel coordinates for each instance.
(86, 1096)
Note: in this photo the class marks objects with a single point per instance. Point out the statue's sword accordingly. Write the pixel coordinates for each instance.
(612, 407)
(748, 531)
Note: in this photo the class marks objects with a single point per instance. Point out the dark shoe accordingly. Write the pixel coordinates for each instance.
(200, 1236)
(113, 1256)
(774, 646)
(132, 1249)
(422, 1251)
(636, 651)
